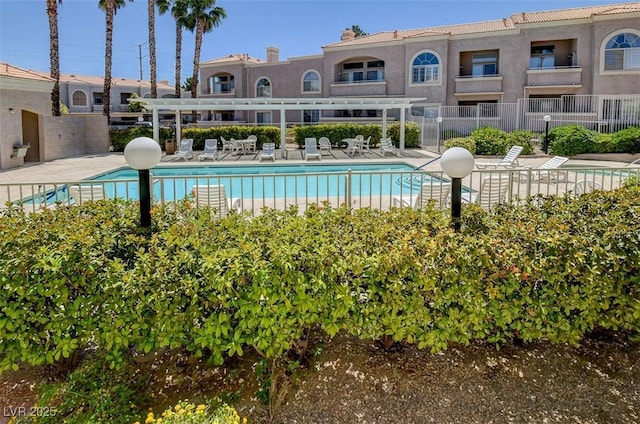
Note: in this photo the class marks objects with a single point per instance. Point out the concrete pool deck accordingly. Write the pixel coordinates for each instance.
(79, 168)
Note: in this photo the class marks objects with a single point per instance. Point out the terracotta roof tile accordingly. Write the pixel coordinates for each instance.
(236, 57)
(491, 26)
(7, 70)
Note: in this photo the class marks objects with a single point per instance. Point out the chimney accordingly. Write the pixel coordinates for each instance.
(273, 54)
(395, 34)
(347, 35)
(504, 21)
(524, 16)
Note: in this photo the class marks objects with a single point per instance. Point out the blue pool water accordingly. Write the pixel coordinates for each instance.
(273, 181)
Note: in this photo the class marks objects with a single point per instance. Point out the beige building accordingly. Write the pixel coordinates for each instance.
(30, 133)
(530, 55)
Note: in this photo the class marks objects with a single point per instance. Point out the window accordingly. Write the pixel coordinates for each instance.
(542, 57)
(263, 88)
(484, 64)
(124, 98)
(622, 52)
(221, 84)
(311, 115)
(263, 117)
(354, 72)
(79, 98)
(97, 98)
(311, 82)
(425, 68)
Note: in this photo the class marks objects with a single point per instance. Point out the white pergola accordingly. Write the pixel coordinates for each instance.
(177, 106)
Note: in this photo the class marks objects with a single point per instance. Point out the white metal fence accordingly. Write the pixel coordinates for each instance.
(358, 189)
(602, 113)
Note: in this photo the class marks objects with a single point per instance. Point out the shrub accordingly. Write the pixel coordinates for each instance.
(466, 142)
(490, 141)
(337, 132)
(520, 138)
(188, 413)
(120, 138)
(265, 134)
(447, 134)
(627, 140)
(570, 140)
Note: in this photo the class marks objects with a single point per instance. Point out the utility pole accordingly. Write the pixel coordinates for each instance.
(140, 57)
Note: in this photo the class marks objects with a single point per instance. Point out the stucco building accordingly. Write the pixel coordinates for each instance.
(530, 55)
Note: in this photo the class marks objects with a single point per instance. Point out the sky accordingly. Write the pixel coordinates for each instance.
(296, 27)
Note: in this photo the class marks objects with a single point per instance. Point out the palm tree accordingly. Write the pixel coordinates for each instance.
(202, 16)
(151, 10)
(178, 11)
(109, 7)
(54, 54)
(358, 31)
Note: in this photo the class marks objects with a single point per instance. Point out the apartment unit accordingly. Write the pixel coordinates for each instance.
(530, 55)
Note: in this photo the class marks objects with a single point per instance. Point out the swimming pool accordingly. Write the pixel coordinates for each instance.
(274, 181)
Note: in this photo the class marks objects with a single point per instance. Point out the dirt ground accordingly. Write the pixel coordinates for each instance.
(352, 381)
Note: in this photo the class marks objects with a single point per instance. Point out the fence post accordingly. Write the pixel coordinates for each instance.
(347, 188)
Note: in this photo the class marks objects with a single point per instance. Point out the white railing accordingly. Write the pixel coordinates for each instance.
(357, 189)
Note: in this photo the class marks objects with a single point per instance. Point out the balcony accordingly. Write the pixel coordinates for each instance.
(557, 76)
(359, 88)
(478, 84)
(219, 92)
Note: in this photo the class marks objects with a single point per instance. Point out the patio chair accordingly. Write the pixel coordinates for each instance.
(324, 144)
(550, 171)
(252, 142)
(268, 151)
(386, 146)
(210, 150)
(364, 144)
(438, 193)
(186, 149)
(493, 190)
(237, 147)
(509, 161)
(215, 197)
(226, 145)
(87, 193)
(311, 149)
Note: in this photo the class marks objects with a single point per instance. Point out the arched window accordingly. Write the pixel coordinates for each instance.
(622, 52)
(425, 68)
(79, 98)
(311, 82)
(263, 88)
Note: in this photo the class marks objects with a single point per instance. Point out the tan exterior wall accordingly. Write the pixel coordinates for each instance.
(613, 82)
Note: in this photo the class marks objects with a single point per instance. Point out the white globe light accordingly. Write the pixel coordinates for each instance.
(457, 162)
(142, 153)
(546, 118)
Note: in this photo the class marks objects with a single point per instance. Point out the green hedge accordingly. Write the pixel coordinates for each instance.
(337, 132)
(551, 269)
(494, 141)
(120, 138)
(570, 140)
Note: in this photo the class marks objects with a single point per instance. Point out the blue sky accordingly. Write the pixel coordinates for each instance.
(297, 27)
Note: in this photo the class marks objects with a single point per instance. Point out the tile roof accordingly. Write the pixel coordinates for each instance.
(236, 57)
(492, 26)
(7, 70)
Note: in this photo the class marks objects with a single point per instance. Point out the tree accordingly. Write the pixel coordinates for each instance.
(109, 7)
(358, 31)
(178, 11)
(151, 11)
(188, 83)
(202, 16)
(54, 54)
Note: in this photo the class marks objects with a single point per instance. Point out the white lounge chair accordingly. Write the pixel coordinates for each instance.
(215, 197)
(251, 144)
(438, 193)
(550, 171)
(210, 150)
(186, 149)
(87, 193)
(311, 149)
(493, 190)
(324, 144)
(268, 152)
(509, 161)
(386, 146)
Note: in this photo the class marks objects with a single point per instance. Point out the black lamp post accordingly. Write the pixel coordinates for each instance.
(545, 146)
(457, 163)
(142, 154)
(439, 121)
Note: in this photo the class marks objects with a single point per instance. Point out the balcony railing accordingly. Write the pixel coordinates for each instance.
(558, 75)
(359, 88)
(491, 83)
